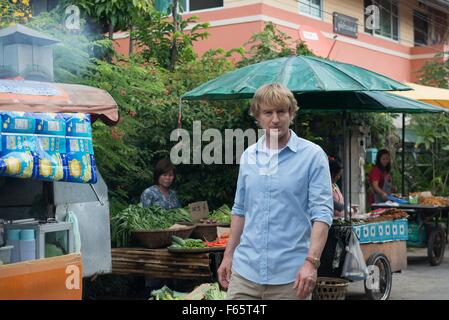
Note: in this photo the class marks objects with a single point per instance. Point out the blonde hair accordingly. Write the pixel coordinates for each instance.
(273, 94)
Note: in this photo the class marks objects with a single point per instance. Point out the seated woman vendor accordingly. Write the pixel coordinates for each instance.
(380, 180)
(160, 193)
(336, 172)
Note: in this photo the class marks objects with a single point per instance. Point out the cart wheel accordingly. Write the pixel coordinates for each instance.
(385, 277)
(436, 245)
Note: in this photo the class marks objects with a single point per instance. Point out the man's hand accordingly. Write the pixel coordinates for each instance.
(224, 272)
(305, 280)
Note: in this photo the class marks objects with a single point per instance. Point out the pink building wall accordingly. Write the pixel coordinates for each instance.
(232, 27)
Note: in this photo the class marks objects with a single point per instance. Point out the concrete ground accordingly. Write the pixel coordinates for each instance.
(419, 281)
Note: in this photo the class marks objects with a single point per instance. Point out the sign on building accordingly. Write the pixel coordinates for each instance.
(345, 25)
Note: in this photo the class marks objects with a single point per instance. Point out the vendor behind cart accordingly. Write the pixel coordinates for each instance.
(380, 180)
(160, 193)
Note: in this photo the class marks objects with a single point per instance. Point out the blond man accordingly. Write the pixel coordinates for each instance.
(282, 210)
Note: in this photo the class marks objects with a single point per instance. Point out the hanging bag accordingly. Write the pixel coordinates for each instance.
(354, 267)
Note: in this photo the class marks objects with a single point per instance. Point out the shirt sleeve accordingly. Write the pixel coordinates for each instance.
(239, 200)
(321, 204)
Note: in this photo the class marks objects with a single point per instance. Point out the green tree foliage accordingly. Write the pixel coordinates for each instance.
(428, 161)
(14, 11)
(159, 35)
(118, 14)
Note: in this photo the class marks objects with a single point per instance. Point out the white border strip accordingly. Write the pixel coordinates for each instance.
(256, 18)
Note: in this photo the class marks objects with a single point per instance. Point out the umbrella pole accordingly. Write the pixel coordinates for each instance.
(403, 154)
(350, 171)
(346, 165)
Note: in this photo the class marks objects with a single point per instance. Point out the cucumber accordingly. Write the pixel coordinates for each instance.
(178, 240)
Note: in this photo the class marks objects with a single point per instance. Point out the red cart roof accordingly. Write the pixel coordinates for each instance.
(34, 96)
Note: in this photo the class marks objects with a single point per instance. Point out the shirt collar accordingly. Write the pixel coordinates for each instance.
(292, 143)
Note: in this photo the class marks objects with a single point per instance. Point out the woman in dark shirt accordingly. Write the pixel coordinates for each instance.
(160, 193)
(336, 171)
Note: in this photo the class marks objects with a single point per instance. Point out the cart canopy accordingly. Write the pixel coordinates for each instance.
(34, 96)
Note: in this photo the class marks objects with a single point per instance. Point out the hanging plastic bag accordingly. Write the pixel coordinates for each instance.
(354, 267)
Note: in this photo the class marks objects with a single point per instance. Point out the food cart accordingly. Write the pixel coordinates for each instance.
(383, 244)
(424, 227)
(59, 276)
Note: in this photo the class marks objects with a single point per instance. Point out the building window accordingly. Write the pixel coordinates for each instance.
(189, 5)
(429, 28)
(311, 8)
(39, 6)
(421, 28)
(388, 20)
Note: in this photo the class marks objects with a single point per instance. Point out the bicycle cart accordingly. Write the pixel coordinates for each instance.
(425, 228)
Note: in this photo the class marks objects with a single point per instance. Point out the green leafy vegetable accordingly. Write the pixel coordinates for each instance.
(136, 218)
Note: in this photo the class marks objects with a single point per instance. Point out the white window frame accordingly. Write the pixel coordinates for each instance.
(187, 10)
(374, 34)
(321, 17)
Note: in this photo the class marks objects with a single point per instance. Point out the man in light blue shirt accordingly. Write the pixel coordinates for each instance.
(282, 211)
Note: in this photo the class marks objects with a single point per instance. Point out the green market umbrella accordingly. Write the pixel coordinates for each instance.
(298, 73)
(320, 86)
(360, 102)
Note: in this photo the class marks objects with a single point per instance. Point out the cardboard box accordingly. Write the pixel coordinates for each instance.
(199, 210)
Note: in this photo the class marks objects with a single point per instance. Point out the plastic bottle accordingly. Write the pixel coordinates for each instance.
(13, 239)
(27, 245)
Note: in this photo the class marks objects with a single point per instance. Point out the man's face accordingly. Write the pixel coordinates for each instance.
(275, 120)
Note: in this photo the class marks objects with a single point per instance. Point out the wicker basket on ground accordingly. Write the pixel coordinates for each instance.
(330, 289)
(161, 238)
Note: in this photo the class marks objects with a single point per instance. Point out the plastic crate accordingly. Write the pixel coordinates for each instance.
(5, 254)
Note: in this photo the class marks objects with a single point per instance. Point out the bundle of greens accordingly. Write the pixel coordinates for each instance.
(165, 293)
(136, 218)
(221, 215)
(214, 293)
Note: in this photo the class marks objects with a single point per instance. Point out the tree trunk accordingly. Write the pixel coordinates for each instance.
(111, 31)
(174, 48)
(111, 37)
(131, 41)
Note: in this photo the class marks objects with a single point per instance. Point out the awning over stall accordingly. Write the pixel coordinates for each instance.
(33, 96)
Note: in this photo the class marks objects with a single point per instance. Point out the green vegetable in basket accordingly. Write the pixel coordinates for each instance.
(221, 215)
(137, 218)
(187, 243)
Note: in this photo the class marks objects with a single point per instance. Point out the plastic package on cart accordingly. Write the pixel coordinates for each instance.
(354, 267)
(18, 122)
(51, 158)
(17, 155)
(80, 162)
(47, 146)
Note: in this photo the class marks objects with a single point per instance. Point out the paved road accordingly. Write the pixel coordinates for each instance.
(419, 281)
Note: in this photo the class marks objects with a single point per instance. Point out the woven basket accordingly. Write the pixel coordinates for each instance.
(161, 238)
(206, 232)
(330, 289)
